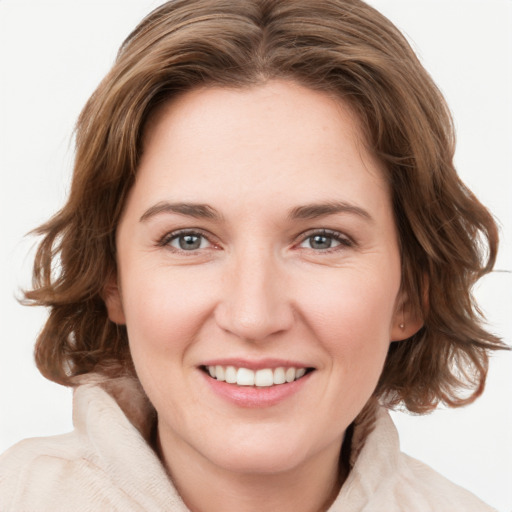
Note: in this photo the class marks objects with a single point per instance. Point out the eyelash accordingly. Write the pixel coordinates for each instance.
(343, 240)
(166, 240)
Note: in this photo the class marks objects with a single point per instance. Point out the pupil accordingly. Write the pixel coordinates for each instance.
(320, 242)
(188, 242)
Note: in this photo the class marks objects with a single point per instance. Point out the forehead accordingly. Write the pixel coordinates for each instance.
(278, 139)
(251, 110)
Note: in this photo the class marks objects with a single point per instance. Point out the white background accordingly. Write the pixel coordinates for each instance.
(54, 53)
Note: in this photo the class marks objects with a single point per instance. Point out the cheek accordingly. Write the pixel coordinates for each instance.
(353, 320)
(164, 309)
(353, 326)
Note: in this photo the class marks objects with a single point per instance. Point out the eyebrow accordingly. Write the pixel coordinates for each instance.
(316, 210)
(196, 210)
(305, 212)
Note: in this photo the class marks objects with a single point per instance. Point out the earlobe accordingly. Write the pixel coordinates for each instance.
(406, 322)
(112, 297)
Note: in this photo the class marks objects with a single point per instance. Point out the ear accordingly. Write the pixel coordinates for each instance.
(406, 320)
(112, 298)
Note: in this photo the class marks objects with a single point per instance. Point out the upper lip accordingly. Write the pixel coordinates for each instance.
(256, 364)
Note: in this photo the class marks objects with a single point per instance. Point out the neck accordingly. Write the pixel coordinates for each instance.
(205, 487)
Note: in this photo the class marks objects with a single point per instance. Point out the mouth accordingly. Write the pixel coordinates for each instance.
(261, 378)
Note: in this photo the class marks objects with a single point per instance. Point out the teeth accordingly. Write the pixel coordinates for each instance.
(290, 374)
(220, 373)
(245, 377)
(279, 376)
(265, 377)
(231, 374)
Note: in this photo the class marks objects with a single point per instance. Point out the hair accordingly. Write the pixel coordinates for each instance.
(345, 48)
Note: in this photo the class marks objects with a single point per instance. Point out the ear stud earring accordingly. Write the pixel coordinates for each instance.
(402, 326)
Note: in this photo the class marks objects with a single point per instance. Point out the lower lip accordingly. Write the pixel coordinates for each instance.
(254, 397)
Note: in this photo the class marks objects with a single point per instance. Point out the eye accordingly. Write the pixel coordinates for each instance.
(324, 240)
(186, 241)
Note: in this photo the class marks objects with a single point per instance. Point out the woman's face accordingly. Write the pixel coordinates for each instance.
(258, 243)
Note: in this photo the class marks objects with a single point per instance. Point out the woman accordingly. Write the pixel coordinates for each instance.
(265, 236)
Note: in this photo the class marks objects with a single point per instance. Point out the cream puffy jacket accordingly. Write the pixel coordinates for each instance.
(106, 464)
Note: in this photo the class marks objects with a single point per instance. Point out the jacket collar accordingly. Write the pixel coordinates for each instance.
(117, 419)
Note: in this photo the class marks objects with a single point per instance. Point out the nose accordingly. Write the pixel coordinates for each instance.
(255, 301)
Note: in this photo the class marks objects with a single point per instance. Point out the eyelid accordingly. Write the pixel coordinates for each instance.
(165, 240)
(343, 239)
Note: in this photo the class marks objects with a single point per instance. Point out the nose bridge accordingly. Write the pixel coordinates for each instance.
(254, 302)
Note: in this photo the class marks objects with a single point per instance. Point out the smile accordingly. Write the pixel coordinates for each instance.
(264, 377)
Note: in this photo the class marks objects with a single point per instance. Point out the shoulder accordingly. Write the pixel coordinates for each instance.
(37, 474)
(384, 478)
(75, 471)
(421, 483)
(106, 463)
(24, 455)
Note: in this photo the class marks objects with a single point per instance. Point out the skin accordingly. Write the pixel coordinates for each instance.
(258, 287)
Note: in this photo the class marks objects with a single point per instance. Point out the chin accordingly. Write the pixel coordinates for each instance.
(267, 453)
(259, 461)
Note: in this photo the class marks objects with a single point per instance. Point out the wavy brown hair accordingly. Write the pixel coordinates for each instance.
(344, 48)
